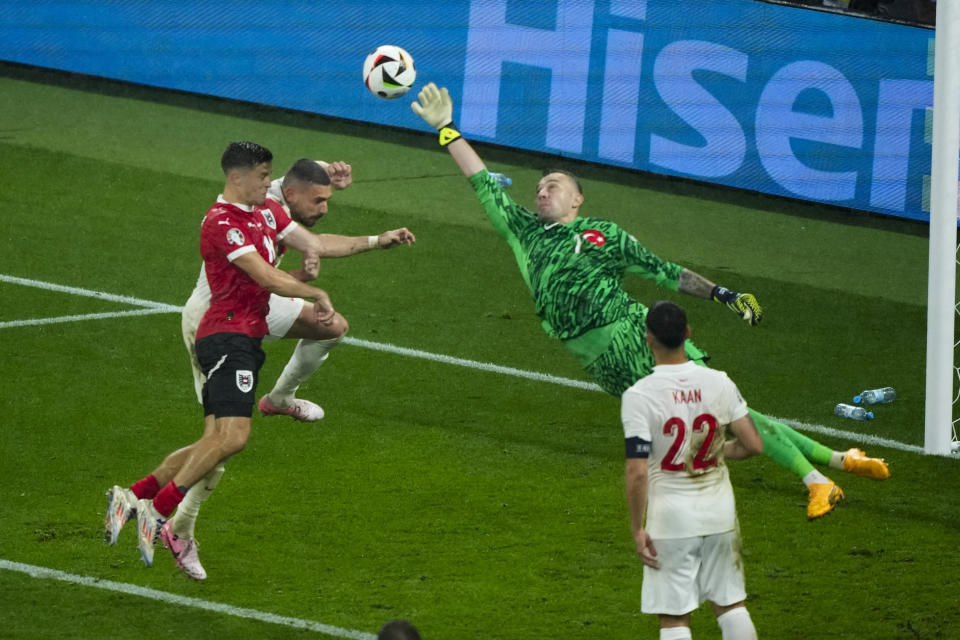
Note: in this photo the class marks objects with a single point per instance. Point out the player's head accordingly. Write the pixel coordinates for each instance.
(559, 196)
(667, 326)
(247, 166)
(306, 188)
(398, 630)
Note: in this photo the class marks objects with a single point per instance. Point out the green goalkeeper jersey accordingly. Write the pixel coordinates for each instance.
(574, 270)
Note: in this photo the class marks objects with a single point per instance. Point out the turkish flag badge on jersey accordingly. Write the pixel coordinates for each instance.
(594, 237)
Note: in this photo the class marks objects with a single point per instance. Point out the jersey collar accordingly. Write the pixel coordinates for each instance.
(243, 207)
(679, 368)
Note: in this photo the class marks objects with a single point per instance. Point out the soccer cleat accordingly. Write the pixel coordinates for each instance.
(856, 462)
(184, 552)
(148, 529)
(121, 506)
(823, 498)
(302, 410)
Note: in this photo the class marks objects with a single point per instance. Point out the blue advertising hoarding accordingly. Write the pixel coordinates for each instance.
(766, 97)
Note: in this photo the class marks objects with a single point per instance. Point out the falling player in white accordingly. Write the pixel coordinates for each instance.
(682, 510)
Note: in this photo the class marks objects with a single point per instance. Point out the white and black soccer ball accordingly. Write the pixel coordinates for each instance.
(388, 72)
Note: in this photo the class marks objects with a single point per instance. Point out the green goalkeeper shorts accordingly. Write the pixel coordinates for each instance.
(617, 355)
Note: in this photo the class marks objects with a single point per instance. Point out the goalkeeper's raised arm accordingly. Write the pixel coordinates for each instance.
(436, 108)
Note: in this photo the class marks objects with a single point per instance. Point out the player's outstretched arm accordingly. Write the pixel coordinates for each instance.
(744, 305)
(328, 245)
(436, 108)
(395, 238)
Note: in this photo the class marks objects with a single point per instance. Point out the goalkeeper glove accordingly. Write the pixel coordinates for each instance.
(436, 108)
(744, 305)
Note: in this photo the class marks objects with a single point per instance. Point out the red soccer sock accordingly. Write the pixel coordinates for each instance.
(146, 488)
(167, 499)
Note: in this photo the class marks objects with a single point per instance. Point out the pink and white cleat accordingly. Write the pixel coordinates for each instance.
(184, 552)
(302, 410)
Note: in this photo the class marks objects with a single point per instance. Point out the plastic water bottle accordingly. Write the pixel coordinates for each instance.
(850, 411)
(500, 178)
(876, 396)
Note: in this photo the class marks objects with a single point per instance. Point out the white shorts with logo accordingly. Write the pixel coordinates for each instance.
(693, 570)
(283, 313)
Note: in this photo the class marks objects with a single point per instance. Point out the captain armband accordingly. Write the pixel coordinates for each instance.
(637, 447)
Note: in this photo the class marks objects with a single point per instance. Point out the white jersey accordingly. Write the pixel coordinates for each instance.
(682, 411)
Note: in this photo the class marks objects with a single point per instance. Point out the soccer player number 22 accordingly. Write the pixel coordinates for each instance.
(678, 429)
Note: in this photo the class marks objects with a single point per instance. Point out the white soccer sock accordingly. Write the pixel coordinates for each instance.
(836, 459)
(307, 358)
(675, 633)
(736, 624)
(185, 518)
(815, 477)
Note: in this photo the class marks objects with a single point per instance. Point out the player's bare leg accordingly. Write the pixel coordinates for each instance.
(675, 627)
(316, 342)
(227, 437)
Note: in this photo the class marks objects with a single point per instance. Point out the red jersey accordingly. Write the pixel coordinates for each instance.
(237, 303)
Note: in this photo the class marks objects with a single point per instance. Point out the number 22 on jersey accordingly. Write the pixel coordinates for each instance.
(675, 427)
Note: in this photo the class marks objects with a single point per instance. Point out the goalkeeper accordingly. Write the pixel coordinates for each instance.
(573, 266)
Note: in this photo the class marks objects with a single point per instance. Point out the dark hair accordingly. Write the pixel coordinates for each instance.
(308, 171)
(244, 155)
(398, 630)
(667, 322)
(576, 180)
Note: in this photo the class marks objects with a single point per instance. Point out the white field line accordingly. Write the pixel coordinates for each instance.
(849, 435)
(87, 316)
(160, 307)
(89, 293)
(184, 601)
(472, 364)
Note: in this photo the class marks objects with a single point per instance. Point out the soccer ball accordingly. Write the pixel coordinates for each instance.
(388, 72)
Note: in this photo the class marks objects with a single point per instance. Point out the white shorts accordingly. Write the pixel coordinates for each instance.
(693, 570)
(283, 313)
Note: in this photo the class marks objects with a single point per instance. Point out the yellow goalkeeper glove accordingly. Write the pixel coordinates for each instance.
(436, 108)
(744, 305)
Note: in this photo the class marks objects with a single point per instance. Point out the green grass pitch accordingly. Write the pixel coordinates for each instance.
(475, 503)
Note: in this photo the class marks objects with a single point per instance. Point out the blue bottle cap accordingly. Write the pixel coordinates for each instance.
(869, 415)
(857, 399)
